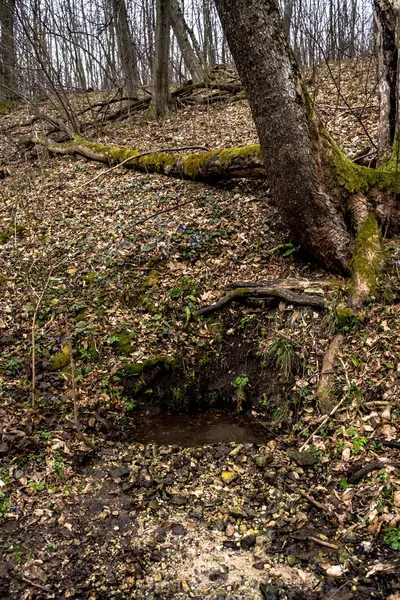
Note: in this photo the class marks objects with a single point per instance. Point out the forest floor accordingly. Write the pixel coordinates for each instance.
(218, 504)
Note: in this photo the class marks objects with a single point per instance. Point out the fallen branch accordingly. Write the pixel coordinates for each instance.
(375, 465)
(225, 163)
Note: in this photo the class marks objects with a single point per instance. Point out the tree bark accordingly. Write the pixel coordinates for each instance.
(7, 51)
(161, 79)
(126, 49)
(294, 152)
(386, 18)
(181, 31)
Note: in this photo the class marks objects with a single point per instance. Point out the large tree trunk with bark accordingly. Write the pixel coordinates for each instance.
(193, 64)
(161, 69)
(295, 154)
(126, 49)
(7, 50)
(386, 16)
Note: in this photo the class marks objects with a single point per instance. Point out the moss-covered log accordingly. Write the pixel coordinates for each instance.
(243, 161)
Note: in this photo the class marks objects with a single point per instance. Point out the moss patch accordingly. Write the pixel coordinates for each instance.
(60, 360)
(137, 369)
(345, 319)
(122, 343)
(368, 256)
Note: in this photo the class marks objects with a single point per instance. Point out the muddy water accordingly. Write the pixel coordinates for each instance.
(207, 427)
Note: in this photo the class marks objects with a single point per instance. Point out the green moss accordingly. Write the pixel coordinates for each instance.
(356, 178)
(136, 369)
(122, 343)
(345, 319)
(151, 281)
(228, 155)
(186, 287)
(5, 108)
(193, 162)
(9, 233)
(90, 277)
(368, 255)
(239, 293)
(60, 360)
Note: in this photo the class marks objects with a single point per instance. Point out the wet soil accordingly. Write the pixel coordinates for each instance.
(201, 428)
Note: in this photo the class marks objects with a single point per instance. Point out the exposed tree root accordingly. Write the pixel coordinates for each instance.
(326, 381)
(275, 289)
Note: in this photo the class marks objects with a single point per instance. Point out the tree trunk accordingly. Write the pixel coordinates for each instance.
(7, 51)
(126, 48)
(295, 154)
(161, 88)
(181, 31)
(386, 18)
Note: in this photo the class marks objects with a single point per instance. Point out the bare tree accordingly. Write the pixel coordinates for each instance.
(161, 67)
(193, 63)
(126, 48)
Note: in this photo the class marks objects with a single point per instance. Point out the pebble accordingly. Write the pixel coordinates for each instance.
(248, 542)
(228, 476)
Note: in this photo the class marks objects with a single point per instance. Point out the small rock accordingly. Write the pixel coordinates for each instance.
(230, 530)
(303, 459)
(228, 476)
(121, 471)
(179, 529)
(248, 542)
(262, 460)
(269, 592)
(160, 534)
(335, 571)
(178, 500)
(154, 504)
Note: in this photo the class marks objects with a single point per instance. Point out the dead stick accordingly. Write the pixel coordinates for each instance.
(37, 585)
(312, 500)
(323, 543)
(334, 409)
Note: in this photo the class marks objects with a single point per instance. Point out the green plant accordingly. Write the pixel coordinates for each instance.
(344, 484)
(358, 443)
(59, 466)
(392, 537)
(129, 406)
(281, 354)
(240, 382)
(286, 249)
(4, 504)
(38, 487)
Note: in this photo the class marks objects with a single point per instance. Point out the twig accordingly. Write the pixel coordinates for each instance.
(334, 409)
(373, 466)
(323, 542)
(37, 585)
(140, 156)
(312, 500)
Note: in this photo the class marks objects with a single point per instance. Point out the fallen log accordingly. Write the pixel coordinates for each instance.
(226, 163)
